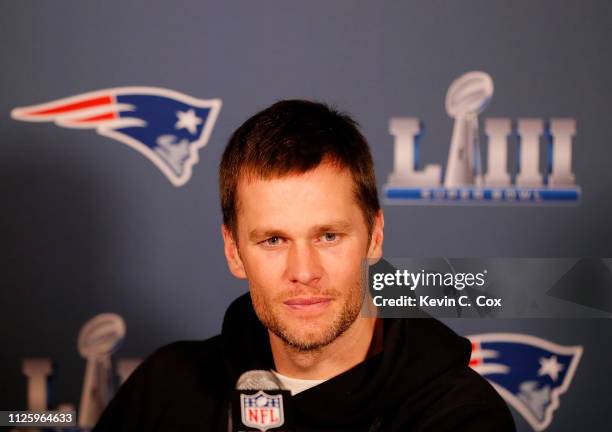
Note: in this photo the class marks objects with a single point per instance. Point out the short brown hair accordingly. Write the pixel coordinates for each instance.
(293, 137)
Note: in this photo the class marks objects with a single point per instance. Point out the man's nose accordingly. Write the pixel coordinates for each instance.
(303, 264)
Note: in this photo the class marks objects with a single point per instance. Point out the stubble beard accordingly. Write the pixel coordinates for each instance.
(313, 341)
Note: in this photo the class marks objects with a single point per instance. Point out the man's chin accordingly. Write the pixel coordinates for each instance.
(306, 342)
(308, 329)
(308, 335)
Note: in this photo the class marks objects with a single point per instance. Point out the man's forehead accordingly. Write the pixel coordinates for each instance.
(326, 193)
(325, 178)
(248, 174)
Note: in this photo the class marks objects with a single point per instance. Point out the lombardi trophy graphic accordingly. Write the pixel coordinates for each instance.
(98, 339)
(467, 97)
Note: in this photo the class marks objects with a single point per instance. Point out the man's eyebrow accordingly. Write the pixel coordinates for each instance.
(258, 234)
(339, 225)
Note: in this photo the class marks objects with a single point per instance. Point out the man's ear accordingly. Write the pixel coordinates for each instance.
(375, 250)
(230, 248)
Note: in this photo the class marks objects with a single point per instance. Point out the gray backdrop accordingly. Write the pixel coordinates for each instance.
(88, 225)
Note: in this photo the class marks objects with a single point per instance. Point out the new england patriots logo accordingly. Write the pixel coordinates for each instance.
(528, 372)
(164, 125)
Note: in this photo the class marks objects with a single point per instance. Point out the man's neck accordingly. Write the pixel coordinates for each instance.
(346, 351)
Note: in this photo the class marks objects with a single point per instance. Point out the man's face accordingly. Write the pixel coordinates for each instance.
(301, 242)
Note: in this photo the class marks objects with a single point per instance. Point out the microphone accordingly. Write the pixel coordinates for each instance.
(258, 380)
(259, 403)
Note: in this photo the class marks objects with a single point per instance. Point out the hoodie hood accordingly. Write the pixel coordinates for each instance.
(410, 370)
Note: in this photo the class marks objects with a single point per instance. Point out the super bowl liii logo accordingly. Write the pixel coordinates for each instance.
(464, 181)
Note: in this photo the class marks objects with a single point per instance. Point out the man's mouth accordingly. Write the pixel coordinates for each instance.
(308, 303)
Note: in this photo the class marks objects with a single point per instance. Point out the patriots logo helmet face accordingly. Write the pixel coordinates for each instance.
(166, 126)
(530, 373)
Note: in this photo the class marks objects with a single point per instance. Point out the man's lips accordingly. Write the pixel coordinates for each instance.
(307, 302)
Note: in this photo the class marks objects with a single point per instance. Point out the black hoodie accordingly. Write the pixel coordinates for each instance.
(420, 381)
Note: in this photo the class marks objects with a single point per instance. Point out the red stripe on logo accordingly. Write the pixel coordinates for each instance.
(475, 361)
(87, 103)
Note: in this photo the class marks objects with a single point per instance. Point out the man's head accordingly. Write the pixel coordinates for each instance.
(300, 213)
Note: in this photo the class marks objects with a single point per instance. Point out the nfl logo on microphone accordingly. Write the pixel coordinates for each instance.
(262, 411)
(464, 180)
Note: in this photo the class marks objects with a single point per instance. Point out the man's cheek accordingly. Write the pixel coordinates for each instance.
(266, 270)
(340, 282)
(343, 269)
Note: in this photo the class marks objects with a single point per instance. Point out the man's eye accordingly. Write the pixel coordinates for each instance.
(330, 237)
(272, 241)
